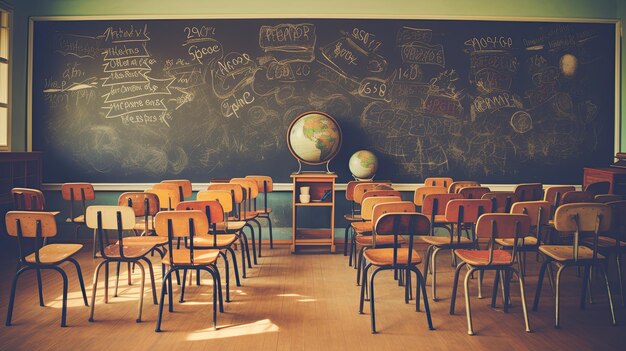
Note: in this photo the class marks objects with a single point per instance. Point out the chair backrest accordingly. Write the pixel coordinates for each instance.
(78, 192)
(572, 197)
(378, 193)
(250, 186)
(502, 200)
(502, 225)
(435, 204)
(212, 209)
(367, 207)
(598, 188)
(583, 218)
(455, 186)
(618, 213)
(107, 217)
(176, 224)
(142, 203)
(529, 191)
(467, 210)
(401, 223)
(363, 187)
(28, 222)
(236, 190)
(386, 207)
(224, 197)
(553, 194)
(27, 199)
(473, 192)
(604, 198)
(438, 181)
(168, 198)
(538, 211)
(264, 183)
(175, 188)
(350, 188)
(185, 188)
(421, 192)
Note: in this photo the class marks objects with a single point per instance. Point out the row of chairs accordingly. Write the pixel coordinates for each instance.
(189, 235)
(462, 210)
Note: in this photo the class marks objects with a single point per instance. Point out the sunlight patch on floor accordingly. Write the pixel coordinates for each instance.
(230, 331)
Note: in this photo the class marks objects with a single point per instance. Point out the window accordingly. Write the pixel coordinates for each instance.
(5, 110)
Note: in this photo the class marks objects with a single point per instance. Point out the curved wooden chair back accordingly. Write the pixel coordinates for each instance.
(538, 211)
(212, 209)
(27, 199)
(378, 193)
(142, 203)
(435, 204)
(387, 207)
(598, 188)
(473, 192)
(604, 198)
(249, 186)
(455, 186)
(618, 212)
(78, 192)
(185, 188)
(421, 192)
(224, 197)
(438, 181)
(553, 194)
(174, 188)
(367, 207)
(168, 198)
(236, 190)
(572, 197)
(467, 210)
(350, 188)
(363, 187)
(177, 224)
(583, 217)
(402, 223)
(529, 191)
(501, 200)
(503, 226)
(264, 183)
(27, 224)
(107, 217)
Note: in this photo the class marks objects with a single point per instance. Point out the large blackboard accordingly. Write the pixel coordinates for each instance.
(495, 101)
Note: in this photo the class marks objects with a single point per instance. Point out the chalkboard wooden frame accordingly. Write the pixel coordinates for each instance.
(615, 22)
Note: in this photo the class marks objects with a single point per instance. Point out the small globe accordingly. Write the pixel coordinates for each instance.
(363, 164)
(314, 138)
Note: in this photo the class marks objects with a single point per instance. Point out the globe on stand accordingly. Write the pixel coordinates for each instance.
(363, 164)
(314, 138)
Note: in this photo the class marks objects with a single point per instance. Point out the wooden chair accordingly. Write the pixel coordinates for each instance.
(434, 206)
(78, 194)
(264, 184)
(529, 192)
(118, 218)
(438, 181)
(353, 216)
(463, 213)
(455, 186)
(579, 218)
(145, 205)
(250, 193)
(473, 192)
(27, 199)
(598, 188)
(185, 189)
(176, 193)
(553, 195)
(421, 192)
(212, 240)
(186, 224)
(168, 196)
(606, 198)
(363, 187)
(614, 243)
(501, 200)
(39, 225)
(572, 197)
(493, 226)
(397, 220)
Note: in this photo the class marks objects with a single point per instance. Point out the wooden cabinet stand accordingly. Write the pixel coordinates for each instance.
(319, 184)
(616, 176)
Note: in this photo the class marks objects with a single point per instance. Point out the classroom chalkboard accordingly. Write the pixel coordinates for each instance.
(141, 100)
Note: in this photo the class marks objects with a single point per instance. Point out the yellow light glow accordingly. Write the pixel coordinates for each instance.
(229, 331)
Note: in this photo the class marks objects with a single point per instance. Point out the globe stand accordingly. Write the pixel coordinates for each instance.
(300, 171)
(364, 179)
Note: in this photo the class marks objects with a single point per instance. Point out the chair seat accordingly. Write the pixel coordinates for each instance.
(605, 242)
(444, 241)
(353, 218)
(481, 257)
(367, 240)
(144, 240)
(200, 257)
(54, 253)
(384, 257)
(249, 215)
(508, 242)
(79, 219)
(221, 240)
(263, 212)
(230, 226)
(362, 227)
(564, 253)
(130, 251)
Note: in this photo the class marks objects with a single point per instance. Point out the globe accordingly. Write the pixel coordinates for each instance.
(363, 164)
(314, 138)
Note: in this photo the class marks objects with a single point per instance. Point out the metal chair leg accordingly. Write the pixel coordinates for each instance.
(468, 312)
(542, 272)
(80, 279)
(481, 274)
(434, 265)
(586, 282)
(457, 271)
(364, 280)
(494, 291)
(151, 271)
(94, 288)
(345, 240)
(117, 277)
(64, 306)
(608, 291)
(40, 287)
(372, 309)
(619, 277)
(556, 297)
(167, 276)
(520, 278)
(12, 296)
(422, 284)
(141, 290)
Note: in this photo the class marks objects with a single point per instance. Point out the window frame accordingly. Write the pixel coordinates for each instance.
(6, 8)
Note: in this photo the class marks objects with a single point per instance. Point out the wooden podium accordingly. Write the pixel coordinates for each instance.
(614, 175)
(320, 183)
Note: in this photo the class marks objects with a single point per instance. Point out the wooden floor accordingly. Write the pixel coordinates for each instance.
(307, 301)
